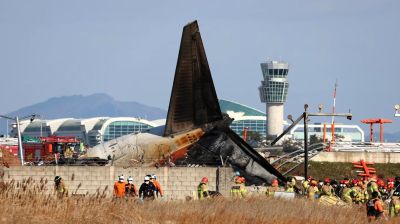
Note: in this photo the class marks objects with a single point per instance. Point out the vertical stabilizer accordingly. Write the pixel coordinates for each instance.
(193, 99)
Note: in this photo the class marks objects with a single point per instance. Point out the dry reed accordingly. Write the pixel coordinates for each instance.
(30, 202)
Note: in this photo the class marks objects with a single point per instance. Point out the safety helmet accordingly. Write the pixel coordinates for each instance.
(130, 179)
(204, 180)
(354, 181)
(327, 180)
(313, 183)
(153, 176)
(237, 173)
(121, 178)
(380, 183)
(390, 183)
(274, 182)
(57, 179)
(146, 178)
(240, 180)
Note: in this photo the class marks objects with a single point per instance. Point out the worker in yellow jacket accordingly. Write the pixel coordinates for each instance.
(238, 189)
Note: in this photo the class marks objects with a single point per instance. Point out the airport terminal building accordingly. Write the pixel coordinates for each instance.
(348, 133)
(94, 131)
(91, 131)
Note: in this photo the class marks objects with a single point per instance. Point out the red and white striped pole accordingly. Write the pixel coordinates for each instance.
(333, 111)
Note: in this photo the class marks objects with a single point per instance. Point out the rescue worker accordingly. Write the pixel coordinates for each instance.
(363, 196)
(273, 188)
(119, 187)
(306, 184)
(202, 189)
(374, 207)
(382, 189)
(356, 192)
(290, 184)
(340, 189)
(372, 186)
(59, 187)
(312, 191)
(130, 189)
(347, 193)
(320, 184)
(335, 186)
(69, 152)
(327, 188)
(238, 189)
(157, 185)
(147, 190)
(394, 206)
(390, 184)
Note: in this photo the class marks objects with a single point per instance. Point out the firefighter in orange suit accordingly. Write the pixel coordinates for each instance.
(119, 187)
(157, 184)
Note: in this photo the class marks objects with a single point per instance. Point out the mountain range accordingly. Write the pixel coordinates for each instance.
(103, 105)
(79, 106)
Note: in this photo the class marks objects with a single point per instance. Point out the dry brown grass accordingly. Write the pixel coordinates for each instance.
(27, 202)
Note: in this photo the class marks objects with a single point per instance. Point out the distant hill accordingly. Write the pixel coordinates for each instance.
(95, 105)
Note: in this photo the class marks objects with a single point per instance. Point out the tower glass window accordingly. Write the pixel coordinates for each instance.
(119, 128)
(274, 87)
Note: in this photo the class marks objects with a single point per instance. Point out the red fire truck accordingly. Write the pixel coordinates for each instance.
(51, 149)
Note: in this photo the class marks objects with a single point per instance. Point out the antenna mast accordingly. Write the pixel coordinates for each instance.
(333, 111)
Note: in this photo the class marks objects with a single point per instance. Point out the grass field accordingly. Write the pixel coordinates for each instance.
(29, 204)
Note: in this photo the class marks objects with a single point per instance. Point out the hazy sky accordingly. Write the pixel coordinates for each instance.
(128, 49)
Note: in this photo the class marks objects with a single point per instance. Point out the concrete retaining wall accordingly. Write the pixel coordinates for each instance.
(177, 182)
(348, 157)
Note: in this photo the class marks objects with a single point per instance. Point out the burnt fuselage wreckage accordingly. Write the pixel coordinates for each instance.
(196, 132)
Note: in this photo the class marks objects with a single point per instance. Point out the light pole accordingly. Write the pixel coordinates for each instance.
(305, 116)
(16, 119)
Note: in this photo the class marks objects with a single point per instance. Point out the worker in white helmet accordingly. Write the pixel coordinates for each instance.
(119, 187)
(157, 185)
(130, 189)
(147, 190)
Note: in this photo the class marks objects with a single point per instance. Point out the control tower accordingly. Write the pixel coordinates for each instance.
(273, 92)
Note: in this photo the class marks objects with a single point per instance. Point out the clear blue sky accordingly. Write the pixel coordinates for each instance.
(128, 49)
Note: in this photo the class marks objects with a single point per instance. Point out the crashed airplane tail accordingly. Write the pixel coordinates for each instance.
(194, 104)
(193, 100)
